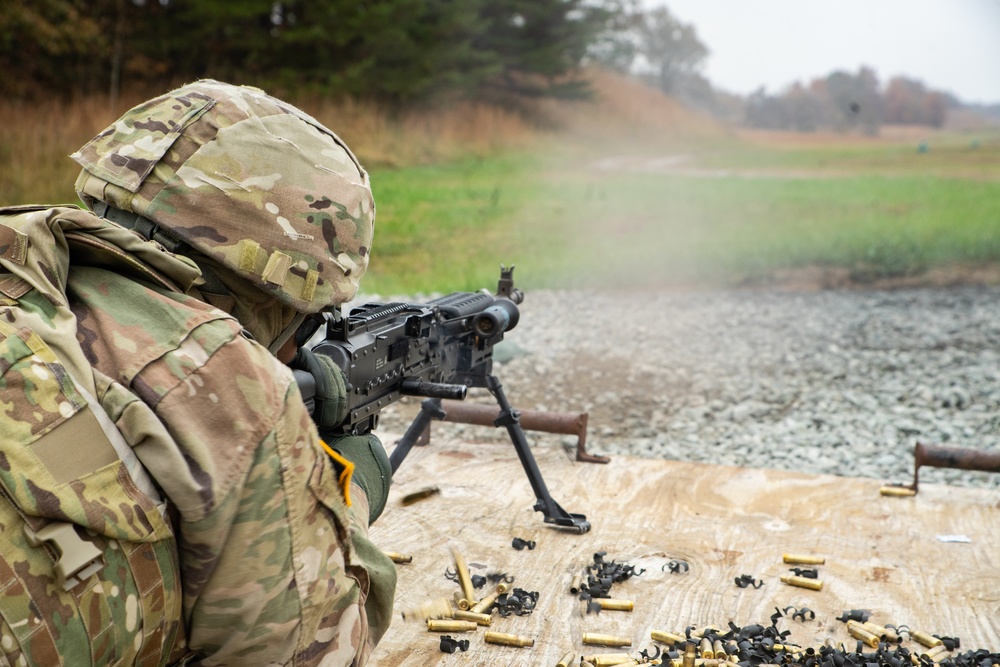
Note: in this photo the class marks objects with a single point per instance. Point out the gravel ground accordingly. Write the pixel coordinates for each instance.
(842, 382)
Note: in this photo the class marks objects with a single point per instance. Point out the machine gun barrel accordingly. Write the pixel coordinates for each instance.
(412, 387)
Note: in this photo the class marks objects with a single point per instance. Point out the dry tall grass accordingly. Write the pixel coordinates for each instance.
(421, 137)
(35, 140)
(626, 111)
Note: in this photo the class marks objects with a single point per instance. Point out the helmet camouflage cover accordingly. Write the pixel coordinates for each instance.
(246, 179)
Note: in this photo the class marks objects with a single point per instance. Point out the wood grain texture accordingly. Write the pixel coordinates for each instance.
(882, 554)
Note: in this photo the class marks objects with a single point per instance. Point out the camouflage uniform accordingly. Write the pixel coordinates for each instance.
(253, 557)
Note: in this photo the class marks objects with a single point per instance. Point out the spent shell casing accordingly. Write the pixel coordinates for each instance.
(707, 630)
(802, 582)
(666, 637)
(803, 559)
(689, 655)
(437, 608)
(705, 648)
(464, 580)
(399, 558)
(479, 619)
(719, 649)
(934, 651)
(506, 639)
(606, 659)
(881, 632)
(615, 605)
(575, 583)
(444, 625)
(461, 602)
(897, 491)
(855, 630)
(418, 495)
(567, 660)
(483, 606)
(930, 641)
(598, 639)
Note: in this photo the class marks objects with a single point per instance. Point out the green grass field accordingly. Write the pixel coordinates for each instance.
(630, 191)
(733, 213)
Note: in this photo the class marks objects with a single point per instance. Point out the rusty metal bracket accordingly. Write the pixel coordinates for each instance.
(531, 420)
(961, 458)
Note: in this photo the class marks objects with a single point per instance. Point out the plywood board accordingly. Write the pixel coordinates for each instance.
(882, 554)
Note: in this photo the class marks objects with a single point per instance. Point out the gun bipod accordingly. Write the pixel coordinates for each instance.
(552, 512)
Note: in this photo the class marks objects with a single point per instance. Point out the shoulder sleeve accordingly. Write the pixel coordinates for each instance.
(274, 565)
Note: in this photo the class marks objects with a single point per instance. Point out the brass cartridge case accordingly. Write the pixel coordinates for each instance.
(927, 640)
(575, 583)
(478, 619)
(665, 637)
(461, 602)
(897, 491)
(506, 639)
(788, 648)
(689, 656)
(719, 649)
(855, 630)
(483, 605)
(615, 605)
(399, 558)
(598, 639)
(934, 651)
(802, 582)
(567, 660)
(881, 632)
(607, 659)
(462, 570)
(802, 559)
(705, 649)
(444, 625)
(419, 495)
(437, 608)
(701, 632)
(502, 587)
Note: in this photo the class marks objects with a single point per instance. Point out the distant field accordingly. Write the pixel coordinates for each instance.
(630, 191)
(738, 212)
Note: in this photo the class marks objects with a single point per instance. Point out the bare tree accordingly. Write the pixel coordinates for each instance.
(671, 48)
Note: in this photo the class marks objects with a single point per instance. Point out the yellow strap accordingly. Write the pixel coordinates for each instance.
(345, 475)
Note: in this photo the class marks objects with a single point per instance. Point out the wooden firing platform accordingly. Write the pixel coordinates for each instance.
(882, 554)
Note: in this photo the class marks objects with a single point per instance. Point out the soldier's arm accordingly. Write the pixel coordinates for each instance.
(274, 563)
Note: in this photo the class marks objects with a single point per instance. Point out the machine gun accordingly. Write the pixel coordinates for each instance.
(436, 349)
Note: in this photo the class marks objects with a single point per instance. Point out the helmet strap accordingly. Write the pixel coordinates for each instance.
(145, 227)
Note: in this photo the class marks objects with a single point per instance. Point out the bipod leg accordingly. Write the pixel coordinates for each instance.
(549, 508)
(429, 409)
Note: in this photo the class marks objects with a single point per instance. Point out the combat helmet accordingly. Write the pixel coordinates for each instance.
(250, 181)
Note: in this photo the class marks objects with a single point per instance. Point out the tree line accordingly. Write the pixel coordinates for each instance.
(845, 101)
(394, 51)
(412, 52)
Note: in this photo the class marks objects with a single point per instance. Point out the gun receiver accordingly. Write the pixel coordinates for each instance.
(436, 349)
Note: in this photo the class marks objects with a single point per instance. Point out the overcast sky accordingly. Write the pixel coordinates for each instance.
(950, 45)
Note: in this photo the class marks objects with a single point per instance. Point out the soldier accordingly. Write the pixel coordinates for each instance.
(165, 498)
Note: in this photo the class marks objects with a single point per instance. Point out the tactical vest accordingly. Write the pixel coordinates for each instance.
(88, 561)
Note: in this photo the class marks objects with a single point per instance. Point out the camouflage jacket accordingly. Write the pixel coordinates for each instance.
(258, 561)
